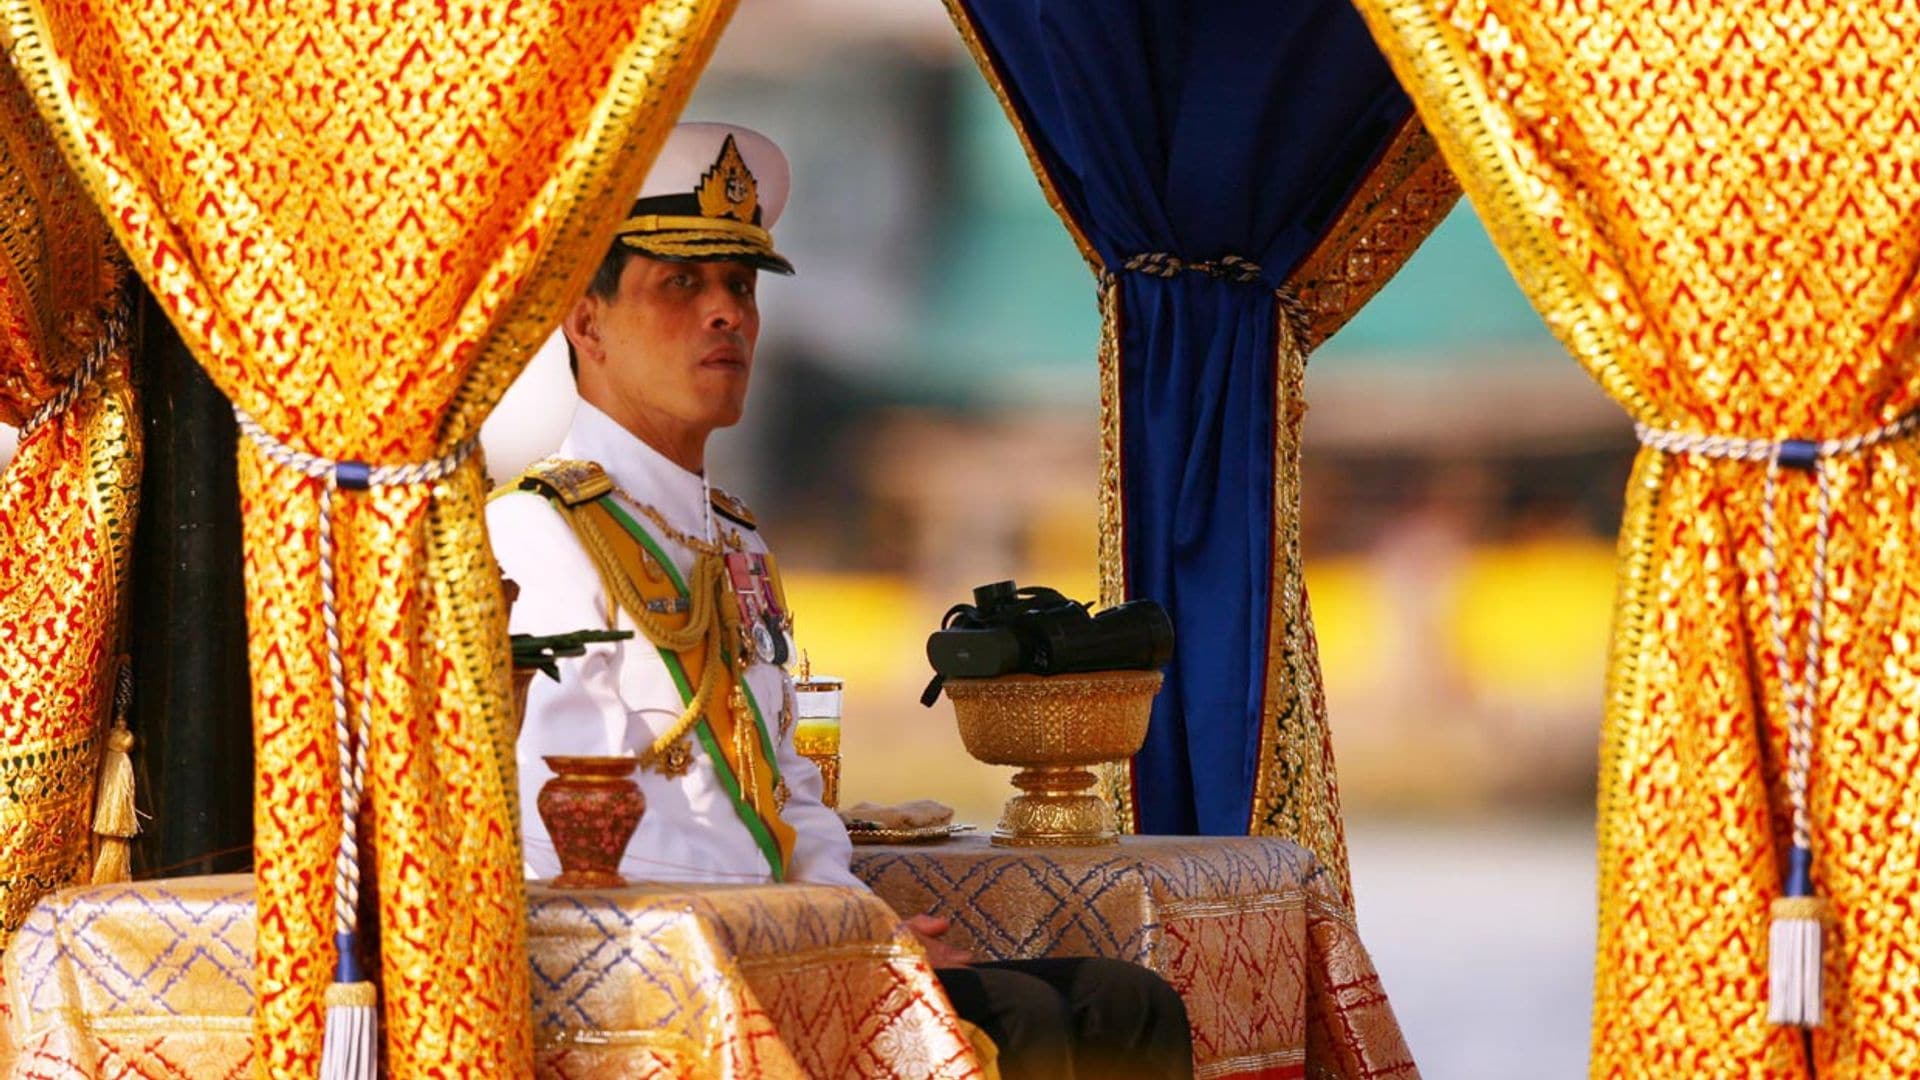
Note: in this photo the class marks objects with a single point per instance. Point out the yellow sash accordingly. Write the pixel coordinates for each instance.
(709, 670)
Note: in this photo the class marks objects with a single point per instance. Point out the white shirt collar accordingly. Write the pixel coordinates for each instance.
(640, 471)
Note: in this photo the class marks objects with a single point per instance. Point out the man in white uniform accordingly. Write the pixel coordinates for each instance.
(621, 528)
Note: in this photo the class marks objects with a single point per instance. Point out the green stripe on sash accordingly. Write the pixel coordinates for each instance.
(703, 730)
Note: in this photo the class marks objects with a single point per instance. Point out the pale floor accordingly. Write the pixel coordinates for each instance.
(1483, 933)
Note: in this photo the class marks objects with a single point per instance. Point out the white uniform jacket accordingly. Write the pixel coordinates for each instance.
(619, 696)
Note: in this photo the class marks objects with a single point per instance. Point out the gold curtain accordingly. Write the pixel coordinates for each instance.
(1717, 208)
(363, 219)
(67, 504)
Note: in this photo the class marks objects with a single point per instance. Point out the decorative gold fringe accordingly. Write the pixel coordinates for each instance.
(112, 861)
(115, 821)
(1116, 777)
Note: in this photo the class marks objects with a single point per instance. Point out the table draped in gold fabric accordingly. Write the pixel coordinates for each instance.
(1717, 208)
(363, 218)
(67, 505)
(156, 980)
(1253, 932)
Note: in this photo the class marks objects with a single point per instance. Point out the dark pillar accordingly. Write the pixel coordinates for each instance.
(192, 713)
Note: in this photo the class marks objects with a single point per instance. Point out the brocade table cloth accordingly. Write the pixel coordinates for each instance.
(1249, 930)
(155, 979)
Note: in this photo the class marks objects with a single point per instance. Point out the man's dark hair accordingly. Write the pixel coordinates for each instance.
(605, 284)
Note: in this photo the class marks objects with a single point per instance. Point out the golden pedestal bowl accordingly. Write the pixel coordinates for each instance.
(1054, 728)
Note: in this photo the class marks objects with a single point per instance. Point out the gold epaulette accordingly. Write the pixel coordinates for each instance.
(564, 480)
(733, 509)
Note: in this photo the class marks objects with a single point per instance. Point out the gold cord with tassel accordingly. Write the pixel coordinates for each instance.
(712, 624)
(115, 820)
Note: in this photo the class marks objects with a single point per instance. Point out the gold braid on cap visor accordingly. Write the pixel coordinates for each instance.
(693, 237)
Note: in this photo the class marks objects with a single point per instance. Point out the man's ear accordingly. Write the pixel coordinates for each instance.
(582, 327)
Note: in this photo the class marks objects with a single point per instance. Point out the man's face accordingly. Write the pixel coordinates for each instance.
(674, 345)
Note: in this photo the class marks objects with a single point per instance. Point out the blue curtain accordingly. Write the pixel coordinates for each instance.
(1199, 130)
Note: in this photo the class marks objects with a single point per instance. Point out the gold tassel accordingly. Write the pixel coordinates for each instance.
(115, 822)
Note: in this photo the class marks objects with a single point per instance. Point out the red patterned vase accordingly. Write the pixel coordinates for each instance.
(591, 808)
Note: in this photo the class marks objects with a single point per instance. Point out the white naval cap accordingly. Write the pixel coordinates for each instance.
(714, 192)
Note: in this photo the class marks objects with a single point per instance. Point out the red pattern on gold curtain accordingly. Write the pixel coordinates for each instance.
(67, 503)
(363, 219)
(1716, 207)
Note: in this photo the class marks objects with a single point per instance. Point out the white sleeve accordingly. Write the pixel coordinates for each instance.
(821, 851)
(560, 591)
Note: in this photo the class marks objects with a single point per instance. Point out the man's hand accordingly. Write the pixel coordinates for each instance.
(928, 929)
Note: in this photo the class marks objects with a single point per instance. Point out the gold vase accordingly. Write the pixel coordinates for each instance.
(1055, 728)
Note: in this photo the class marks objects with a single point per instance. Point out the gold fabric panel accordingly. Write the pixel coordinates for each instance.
(1715, 207)
(1253, 933)
(1296, 792)
(1408, 193)
(67, 505)
(157, 979)
(363, 220)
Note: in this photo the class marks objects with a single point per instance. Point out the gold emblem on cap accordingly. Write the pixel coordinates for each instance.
(728, 189)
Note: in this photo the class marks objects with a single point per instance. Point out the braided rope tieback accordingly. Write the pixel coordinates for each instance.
(348, 1052)
(1160, 264)
(112, 330)
(1794, 962)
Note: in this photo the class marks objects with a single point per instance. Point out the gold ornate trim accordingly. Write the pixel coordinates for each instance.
(1112, 553)
(1116, 777)
(1407, 193)
(976, 46)
(1634, 616)
(57, 261)
(115, 450)
(801, 960)
(1491, 166)
(1189, 910)
(1296, 794)
(44, 819)
(572, 482)
(1250, 1064)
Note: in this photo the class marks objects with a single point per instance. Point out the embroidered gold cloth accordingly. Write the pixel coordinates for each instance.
(156, 980)
(1716, 207)
(1253, 932)
(67, 505)
(363, 219)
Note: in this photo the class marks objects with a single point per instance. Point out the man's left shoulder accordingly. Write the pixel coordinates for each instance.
(733, 509)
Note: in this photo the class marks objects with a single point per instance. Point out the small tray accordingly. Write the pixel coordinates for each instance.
(925, 834)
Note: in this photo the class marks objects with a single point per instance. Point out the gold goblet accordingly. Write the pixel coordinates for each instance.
(816, 734)
(1055, 728)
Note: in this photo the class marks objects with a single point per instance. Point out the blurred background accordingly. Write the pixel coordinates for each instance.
(923, 420)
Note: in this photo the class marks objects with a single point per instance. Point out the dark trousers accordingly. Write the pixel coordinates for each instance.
(1085, 1017)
